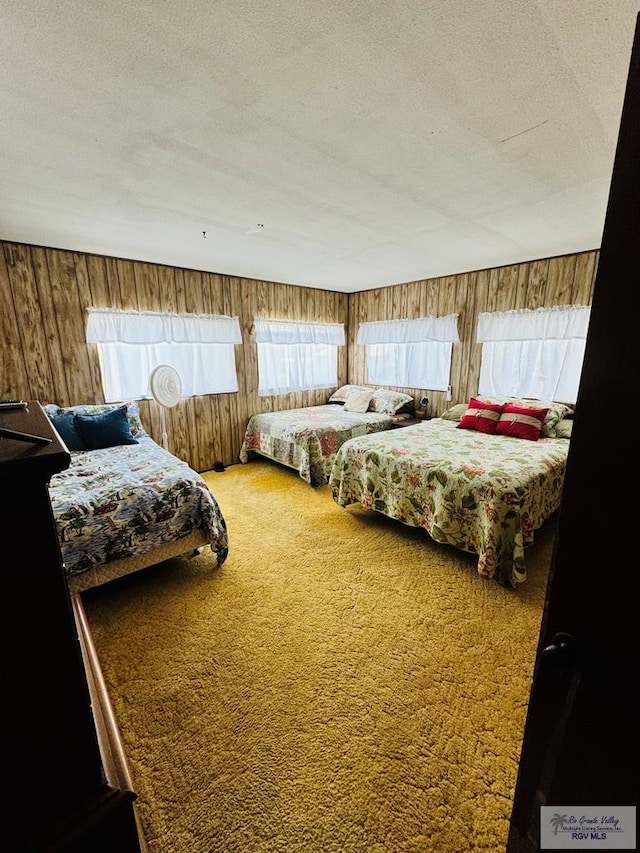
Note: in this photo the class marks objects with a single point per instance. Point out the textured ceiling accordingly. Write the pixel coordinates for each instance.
(339, 145)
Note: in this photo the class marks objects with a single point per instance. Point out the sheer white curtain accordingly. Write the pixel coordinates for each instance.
(295, 356)
(132, 343)
(410, 353)
(533, 353)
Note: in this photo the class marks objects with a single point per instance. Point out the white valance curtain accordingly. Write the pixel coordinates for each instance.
(410, 353)
(559, 323)
(290, 332)
(152, 327)
(443, 329)
(533, 353)
(297, 356)
(132, 343)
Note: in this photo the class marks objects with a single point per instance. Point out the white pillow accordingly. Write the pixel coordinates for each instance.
(340, 395)
(357, 400)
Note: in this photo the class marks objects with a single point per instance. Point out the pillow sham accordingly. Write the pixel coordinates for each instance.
(107, 429)
(66, 428)
(480, 416)
(521, 422)
(340, 395)
(564, 427)
(454, 413)
(555, 413)
(357, 400)
(388, 402)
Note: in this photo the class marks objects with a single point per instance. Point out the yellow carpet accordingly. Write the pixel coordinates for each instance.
(342, 683)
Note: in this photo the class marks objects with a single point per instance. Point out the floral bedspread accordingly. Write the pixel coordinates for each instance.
(126, 500)
(307, 439)
(486, 494)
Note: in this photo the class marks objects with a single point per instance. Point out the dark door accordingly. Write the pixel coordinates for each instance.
(580, 745)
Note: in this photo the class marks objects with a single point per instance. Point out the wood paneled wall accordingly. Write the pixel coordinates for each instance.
(44, 355)
(563, 280)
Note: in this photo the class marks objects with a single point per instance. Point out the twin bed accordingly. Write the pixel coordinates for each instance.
(127, 506)
(307, 439)
(482, 493)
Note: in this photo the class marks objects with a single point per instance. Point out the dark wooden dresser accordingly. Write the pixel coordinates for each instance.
(57, 793)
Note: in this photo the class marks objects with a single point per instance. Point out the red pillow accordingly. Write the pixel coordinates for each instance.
(481, 416)
(521, 422)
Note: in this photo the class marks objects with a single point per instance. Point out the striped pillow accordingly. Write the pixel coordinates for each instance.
(521, 422)
(555, 411)
(481, 416)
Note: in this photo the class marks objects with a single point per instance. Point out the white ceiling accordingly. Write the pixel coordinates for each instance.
(365, 142)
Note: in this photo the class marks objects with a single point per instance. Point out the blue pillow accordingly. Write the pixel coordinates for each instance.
(105, 430)
(66, 428)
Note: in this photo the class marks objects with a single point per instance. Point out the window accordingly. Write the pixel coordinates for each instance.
(132, 343)
(410, 353)
(533, 353)
(297, 356)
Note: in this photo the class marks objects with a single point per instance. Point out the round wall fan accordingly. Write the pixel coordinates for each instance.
(166, 389)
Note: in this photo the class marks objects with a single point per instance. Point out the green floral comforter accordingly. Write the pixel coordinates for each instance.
(486, 494)
(307, 439)
(126, 500)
